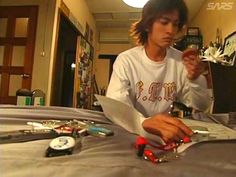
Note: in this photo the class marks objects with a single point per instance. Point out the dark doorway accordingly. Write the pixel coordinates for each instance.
(63, 75)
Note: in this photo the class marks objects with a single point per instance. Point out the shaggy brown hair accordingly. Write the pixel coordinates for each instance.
(151, 11)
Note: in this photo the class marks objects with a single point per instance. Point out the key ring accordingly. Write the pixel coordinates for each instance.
(141, 144)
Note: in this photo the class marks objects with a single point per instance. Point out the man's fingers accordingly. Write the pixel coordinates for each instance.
(168, 132)
(194, 68)
(179, 124)
(173, 134)
(189, 52)
(169, 128)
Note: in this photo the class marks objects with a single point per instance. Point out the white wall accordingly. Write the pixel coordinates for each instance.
(209, 20)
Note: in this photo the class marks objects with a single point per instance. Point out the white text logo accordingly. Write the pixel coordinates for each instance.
(220, 6)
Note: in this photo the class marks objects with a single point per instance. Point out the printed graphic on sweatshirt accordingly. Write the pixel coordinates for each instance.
(139, 88)
(156, 91)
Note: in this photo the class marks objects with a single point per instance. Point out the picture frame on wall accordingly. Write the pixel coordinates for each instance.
(193, 31)
(91, 36)
(86, 35)
(229, 48)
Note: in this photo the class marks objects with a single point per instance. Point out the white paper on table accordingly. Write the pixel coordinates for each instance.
(126, 116)
(130, 119)
(216, 132)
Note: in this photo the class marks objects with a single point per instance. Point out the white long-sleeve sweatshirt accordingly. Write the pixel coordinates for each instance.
(151, 86)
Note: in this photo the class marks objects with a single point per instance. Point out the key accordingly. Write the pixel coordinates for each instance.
(168, 157)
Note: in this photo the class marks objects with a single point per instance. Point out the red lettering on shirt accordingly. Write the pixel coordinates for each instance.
(170, 91)
(139, 88)
(155, 89)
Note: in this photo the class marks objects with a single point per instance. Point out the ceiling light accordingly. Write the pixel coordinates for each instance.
(135, 3)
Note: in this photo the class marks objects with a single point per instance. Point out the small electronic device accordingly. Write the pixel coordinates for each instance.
(178, 109)
(62, 145)
(99, 131)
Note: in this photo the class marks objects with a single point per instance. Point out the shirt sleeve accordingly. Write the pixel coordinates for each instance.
(196, 94)
(119, 86)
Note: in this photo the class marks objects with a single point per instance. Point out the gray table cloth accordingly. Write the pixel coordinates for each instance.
(113, 156)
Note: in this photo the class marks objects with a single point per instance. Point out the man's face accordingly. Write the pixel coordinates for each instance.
(164, 29)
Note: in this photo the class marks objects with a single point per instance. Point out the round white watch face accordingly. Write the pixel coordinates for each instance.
(62, 143)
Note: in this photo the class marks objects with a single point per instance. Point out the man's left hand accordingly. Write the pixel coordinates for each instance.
(194, 66)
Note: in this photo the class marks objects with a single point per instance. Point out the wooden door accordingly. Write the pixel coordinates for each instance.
(17, 41)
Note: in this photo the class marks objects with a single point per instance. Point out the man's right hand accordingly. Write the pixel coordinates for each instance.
(168, 128)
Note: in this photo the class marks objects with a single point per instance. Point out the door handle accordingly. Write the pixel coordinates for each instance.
(25, 76)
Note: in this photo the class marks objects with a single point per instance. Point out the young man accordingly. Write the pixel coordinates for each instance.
(153, 75)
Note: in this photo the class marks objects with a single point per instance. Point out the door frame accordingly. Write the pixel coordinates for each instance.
(13, 12)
